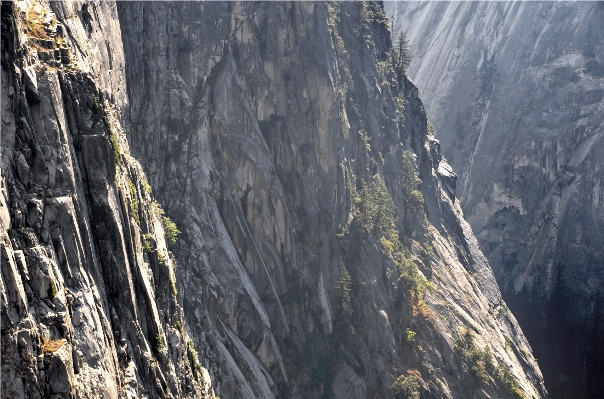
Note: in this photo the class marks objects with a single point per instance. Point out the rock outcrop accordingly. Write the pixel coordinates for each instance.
(87, 305)
(516, 90)
(322, 252)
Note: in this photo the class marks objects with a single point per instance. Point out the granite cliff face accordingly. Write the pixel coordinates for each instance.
(515, 90)
(88, 308)
(322, 253)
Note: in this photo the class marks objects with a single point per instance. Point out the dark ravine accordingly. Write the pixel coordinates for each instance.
(516, 91)
(277, 138)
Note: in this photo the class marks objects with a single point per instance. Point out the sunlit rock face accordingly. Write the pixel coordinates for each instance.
(515, 90)
(89, 305)
(277, 138)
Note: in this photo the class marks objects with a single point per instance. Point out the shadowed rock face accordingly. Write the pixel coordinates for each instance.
(268, 132)
(516, 92)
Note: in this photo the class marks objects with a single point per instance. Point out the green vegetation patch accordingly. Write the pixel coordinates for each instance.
(409, 335)
(509, 381)
(406, 387)
(134, 201)
(171, 231)
(180, 328)
(410, 181)
(115, 144)
(483, 365)
(193, 357)
(160, 346)
(173, 287)
(376, 210)
(52, 290)
(147, 243)
(376, 213)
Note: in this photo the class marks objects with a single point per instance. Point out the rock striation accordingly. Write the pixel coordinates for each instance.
(87, 305)
(322, 253)
(515, 90)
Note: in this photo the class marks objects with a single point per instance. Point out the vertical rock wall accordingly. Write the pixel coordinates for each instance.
(274, 135)
(255, 100)
(87, 305)
(516, 91)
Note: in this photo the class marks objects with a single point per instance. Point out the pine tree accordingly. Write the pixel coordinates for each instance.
(413, 197)
(385, 210)
(401, 57)
(409, 177)
(406, 387)
(343, 290)
(343, 320)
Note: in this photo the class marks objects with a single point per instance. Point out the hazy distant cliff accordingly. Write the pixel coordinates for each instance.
(321, 254)
(516, 92)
